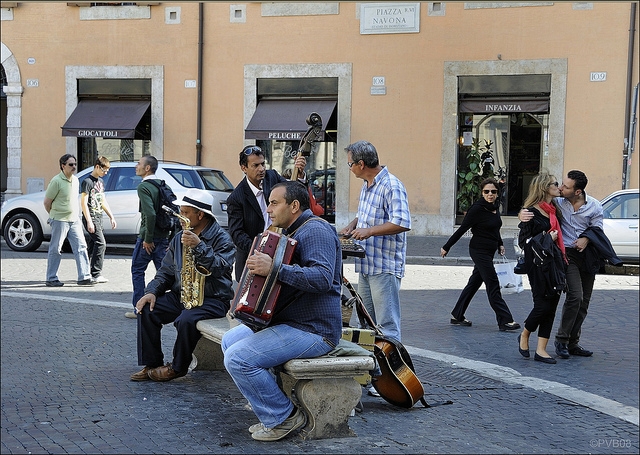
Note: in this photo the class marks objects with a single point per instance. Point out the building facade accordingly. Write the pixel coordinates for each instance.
(537, 85)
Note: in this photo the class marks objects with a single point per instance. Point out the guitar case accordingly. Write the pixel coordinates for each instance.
(398, 383)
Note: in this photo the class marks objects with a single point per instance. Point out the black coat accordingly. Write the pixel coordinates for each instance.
(598, 250)
(245, 216)
(544, 262)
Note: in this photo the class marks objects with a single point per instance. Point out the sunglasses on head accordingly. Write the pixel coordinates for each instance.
(250, 150)
(490, 191)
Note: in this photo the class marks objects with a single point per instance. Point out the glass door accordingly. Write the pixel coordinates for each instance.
(321, 169)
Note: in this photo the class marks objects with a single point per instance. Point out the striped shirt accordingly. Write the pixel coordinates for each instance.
(385, 200)
(575, 222)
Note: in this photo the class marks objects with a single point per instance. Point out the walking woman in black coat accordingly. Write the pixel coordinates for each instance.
(546, 219)
(484, 221)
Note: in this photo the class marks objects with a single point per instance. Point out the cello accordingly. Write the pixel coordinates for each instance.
(306, 143)
(312, 134)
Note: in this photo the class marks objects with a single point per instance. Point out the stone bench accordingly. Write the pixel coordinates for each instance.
(324, 387)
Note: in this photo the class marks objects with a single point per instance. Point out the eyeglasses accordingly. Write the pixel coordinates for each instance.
(554, 184)
(490, 191)
(351, 163)
(104, 169)
(251, 150)
(71, 164)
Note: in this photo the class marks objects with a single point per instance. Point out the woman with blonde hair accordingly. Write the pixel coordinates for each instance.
(546, 221)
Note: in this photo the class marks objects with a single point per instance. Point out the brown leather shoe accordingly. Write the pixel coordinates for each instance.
(165, 373)
(142, 375)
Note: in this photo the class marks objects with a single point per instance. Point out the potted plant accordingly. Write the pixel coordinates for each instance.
(479, 165)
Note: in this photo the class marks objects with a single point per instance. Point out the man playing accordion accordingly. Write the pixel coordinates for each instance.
(307, 321)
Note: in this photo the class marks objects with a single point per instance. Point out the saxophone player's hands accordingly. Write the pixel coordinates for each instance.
(259, 263)
(189, 239)
(147, 298)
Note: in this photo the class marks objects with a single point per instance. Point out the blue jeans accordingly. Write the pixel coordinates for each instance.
(72, 230)
(248, 357)
(381, 297)
(140, 261)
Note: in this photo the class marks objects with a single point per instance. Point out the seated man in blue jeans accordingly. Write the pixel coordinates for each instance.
(307, 320)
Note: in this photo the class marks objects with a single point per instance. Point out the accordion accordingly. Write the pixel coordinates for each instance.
(255, 298)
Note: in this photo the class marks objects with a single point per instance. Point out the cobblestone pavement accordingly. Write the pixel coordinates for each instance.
(67, 354)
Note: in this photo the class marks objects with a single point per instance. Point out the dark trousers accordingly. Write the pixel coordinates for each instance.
(544, 309)
(576, 304)
(483, 272)
(169, 309)
(96, 246)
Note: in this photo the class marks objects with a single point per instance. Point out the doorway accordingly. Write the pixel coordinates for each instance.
(518, 148)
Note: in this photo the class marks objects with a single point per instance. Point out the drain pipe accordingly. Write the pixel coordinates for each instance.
(626, 155)
(199, 102)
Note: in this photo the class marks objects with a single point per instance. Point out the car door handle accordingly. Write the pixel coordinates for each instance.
(633, 227)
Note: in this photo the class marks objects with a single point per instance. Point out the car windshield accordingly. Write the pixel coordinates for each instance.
(215, 180)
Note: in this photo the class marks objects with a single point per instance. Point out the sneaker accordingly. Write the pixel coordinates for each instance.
(130, 315)
(372, 392)
(87, 282)
(100, 279)
(298, 420)
(255, 427)
(54, 283)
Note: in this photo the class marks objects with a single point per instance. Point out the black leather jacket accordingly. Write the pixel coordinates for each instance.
(216, 253)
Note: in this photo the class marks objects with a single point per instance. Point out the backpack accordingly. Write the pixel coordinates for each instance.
(164, 220)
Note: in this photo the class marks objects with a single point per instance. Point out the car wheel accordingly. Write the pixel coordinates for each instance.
(23, 232)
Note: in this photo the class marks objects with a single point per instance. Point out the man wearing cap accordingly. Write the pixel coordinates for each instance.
(212, 250)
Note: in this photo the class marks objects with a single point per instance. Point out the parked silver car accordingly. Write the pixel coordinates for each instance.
(620, 211)
(24, 219)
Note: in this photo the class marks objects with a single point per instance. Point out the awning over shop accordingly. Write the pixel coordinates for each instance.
(504, 105)
(111, 119)
(286, 120)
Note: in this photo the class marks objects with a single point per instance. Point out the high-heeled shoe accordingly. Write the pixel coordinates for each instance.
(523, 352)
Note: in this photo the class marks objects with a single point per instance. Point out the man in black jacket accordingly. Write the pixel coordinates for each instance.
(247, 204)
(212, 250)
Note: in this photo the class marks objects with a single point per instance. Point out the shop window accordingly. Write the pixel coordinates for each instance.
(320, 169)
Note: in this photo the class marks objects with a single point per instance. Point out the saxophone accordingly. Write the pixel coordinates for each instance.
(192, 276)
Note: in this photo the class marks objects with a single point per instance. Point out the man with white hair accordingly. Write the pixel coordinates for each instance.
(213, 251)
